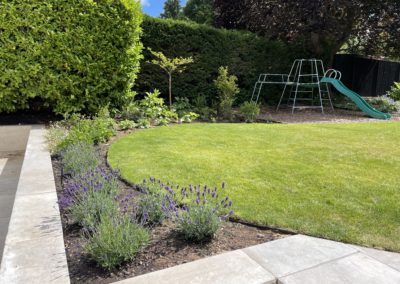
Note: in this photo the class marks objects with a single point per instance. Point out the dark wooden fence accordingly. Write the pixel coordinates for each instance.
(368, 77)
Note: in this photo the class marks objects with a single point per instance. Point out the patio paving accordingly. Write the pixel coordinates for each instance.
(12, 148)
(293, 260)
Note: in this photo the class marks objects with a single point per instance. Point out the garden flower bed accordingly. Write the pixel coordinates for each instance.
(166, 248)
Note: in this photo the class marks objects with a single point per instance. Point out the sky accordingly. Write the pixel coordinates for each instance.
(155, 7)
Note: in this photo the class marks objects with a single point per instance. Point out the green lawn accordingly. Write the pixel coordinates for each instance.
(339, 181)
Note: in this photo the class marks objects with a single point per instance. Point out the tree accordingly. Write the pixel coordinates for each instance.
(172, 9)
(323, 25)
(227, 90)
(200, 11)
(170, 65)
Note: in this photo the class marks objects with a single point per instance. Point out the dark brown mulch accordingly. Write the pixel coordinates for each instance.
(167, 247)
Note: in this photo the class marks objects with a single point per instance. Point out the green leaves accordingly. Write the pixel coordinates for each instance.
(68, 55)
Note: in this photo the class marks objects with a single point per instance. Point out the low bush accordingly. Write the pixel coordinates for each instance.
(126, 124)
(385, 104)
(394, 92)
(203, 212)
(55, 135)
(79, 129)
(151, 208)
(116, 240)
(79, 158)
(227, 90)
(250, 110)
(87, 196)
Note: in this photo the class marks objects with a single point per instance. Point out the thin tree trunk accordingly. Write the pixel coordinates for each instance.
(170, 90)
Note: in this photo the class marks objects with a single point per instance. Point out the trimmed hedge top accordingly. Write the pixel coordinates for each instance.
(246, 54)
(69, 56)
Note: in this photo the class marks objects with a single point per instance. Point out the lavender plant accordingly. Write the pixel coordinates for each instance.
(116, 240)
(79, 158)
(86, 197)
(198, 211)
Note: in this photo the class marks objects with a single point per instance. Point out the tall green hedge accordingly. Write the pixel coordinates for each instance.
(68, 55)
(246, 54)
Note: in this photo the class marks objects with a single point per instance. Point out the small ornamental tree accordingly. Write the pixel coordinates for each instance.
(227, 90)
(170, 65)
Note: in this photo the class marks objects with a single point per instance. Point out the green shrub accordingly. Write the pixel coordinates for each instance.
(394, 93)
(189, 117)
(55, 135)
(86, 197)
(70, 55)
(79, 158)
(246, 55)
(227, 90)
(385, 104)
(116, 240)
(250, 110)
(89, 131)
(199, 223)
(126, 124)
(89, 207)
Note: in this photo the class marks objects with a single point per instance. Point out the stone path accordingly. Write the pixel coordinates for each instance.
(12, 148)
(294, 260)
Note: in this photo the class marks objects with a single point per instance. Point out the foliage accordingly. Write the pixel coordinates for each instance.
(116, 240)
(90, 131)
(181, 106)
(280, 175)
(55, 135)
(189, 117)
(246, 55)
(250, 110)
(126, 124)
(200, 217)
(79, 158)
(172, 9)
(68, 56)
(170, 66)
(378, 30)
(227, 90)
(385, 104)
(87, 196)
(200, 11)
(323, 26)
(143, 123)
(394, 93)
(200, 106)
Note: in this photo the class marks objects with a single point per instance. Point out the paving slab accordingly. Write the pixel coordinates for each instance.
(230, 268)
(391, 259)
(355, 269)
(34, 248)
(296, 253)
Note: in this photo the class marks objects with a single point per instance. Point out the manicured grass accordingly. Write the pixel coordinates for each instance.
(339, 181)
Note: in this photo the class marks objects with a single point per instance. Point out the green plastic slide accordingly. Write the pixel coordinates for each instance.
(357, 99)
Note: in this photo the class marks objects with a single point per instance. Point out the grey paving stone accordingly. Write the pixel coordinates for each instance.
(34, 216)
(231, 268)
(17, 137)
(354, 269)
(296, 253)
(391, 259)
(6, 205)
(32, 255)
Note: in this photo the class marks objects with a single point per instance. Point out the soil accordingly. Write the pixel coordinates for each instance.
(167, 247)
